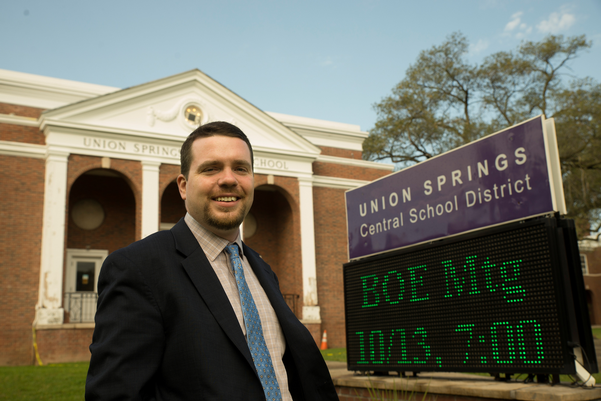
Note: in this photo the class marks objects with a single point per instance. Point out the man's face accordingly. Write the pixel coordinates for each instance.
(220, 186)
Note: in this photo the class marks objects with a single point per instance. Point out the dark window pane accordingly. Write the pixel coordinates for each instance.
(85, 276)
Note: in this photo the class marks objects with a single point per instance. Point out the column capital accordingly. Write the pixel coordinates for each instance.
(151, 165)
(57, 154)
(305, 181)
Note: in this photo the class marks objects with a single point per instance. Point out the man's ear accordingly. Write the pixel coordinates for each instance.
(181, 185)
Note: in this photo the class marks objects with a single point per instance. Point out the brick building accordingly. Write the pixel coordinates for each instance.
(590, 258)
(87, 169)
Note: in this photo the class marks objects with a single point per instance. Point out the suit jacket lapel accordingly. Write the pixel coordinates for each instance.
(267, 279)
(202, 275)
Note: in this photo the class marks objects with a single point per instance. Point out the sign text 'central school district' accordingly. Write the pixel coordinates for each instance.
(500, 178)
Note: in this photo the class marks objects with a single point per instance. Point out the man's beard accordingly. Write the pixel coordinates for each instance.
(232, 220)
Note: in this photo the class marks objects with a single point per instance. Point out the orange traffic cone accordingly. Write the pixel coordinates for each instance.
(324, 340)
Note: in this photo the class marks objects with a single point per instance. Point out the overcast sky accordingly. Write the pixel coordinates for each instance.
(330, 60)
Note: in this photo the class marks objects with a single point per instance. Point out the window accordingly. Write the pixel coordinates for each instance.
(193, 115)
(584, 264)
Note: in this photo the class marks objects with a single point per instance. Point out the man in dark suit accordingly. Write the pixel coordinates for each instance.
(170, 323)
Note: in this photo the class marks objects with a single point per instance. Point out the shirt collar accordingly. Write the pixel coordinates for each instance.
(211, 244)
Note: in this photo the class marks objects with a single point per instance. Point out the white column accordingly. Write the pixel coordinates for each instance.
(150, 197)
(48, 309)
(310, 308)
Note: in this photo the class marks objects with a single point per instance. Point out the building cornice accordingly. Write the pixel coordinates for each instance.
(354, 162)
(337, 183)
(21, 149)
(324, 133)
(45, 92)
(19, 120)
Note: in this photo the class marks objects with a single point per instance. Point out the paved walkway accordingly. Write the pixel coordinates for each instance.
(460, 386)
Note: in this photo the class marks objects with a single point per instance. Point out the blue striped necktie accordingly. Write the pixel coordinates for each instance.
(254, 330)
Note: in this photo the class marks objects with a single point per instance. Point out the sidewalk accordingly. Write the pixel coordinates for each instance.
(464, 387)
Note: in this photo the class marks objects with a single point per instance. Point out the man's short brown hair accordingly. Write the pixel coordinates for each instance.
(215, 128)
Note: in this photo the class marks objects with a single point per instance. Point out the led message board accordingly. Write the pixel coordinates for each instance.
(507, 176)
(493, 301)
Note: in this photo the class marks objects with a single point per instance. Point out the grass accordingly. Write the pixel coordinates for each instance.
(334, 354)
(54, 382)
(597, 332)
(395, 394)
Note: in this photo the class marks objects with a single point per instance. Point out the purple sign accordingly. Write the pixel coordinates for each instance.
(500, 178)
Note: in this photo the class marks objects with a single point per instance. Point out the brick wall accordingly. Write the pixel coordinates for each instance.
(21, 133)
(21, 211)
(65, 344)
(342, 171)
(592, 284)
(351, 154)
(23, 111)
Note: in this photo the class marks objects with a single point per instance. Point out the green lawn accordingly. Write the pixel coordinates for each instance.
(59, 382)
(334, 354)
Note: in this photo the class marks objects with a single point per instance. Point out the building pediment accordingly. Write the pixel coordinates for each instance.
(169, 109)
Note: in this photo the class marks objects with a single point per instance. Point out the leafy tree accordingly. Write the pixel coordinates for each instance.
(444, 102)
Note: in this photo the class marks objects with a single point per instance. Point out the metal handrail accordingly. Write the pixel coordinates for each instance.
(80, 307)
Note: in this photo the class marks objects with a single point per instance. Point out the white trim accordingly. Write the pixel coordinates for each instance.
(65, 326)
(19, 120)
(115, 145)
(308, 249)
(338, 183)
(150, 197)
(50, 296)
(324, 133)
(45, 92)
(317, 124)
(22, 149)
(74, 255)
(554, 166)
(354, 162)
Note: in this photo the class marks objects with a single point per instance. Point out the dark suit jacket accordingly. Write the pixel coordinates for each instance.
(165, 329)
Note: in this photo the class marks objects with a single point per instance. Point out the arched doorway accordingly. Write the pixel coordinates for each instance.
(270, 229)
(173, 207)
(101, 219)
